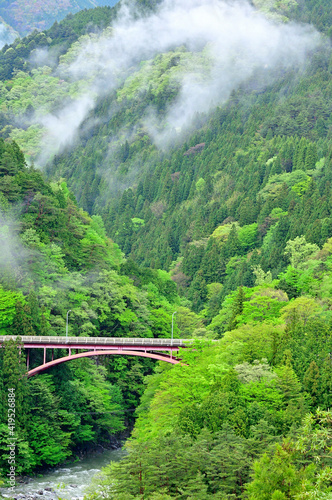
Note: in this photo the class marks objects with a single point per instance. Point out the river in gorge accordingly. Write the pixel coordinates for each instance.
(67, 482)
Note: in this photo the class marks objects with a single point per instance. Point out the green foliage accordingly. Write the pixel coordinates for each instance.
(261, 276)
(290, 472)
(205, 428)
(8, 301)
(247, 236)
(296, 180)
(26, 18)
(238, 207)
(46, 438)
(299, 251)
(61, 259)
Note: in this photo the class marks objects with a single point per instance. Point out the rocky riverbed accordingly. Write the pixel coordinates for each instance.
(67, 483)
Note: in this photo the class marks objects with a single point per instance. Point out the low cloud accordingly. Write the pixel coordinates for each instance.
(43, 56)
(13, 255)
(240, 41)
(6, 35)
(61, 128)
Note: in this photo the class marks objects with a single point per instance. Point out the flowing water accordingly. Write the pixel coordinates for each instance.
(68, 482)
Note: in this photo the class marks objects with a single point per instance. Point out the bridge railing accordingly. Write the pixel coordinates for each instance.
(97, 340)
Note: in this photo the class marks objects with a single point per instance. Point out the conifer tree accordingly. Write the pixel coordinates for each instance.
(326, 383)
(237, 309)
(311, 381)
(34, 311)
(233, 244)
(22, 324)
(13, 376)
(299, 160)
(311, 157)
(44, 326)
(196, 489)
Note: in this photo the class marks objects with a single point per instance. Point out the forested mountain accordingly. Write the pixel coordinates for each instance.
(196, 140)
(55, 257)
(26, 16)
(7, 34)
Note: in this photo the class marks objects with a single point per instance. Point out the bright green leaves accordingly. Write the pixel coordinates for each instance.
(298, 181)
(97, 249)
(299, 251)
(101, 401)
(8, 301)
(13, 376)
(161, 324)
(24, 454)
(300, 310)
(187, 324)
(121, 308)
(249, 306)
(162, 74)
(277, 479)
(248, 236)
(46, 438)
(297, 469)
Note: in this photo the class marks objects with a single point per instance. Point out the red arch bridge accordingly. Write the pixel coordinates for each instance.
(80, 347)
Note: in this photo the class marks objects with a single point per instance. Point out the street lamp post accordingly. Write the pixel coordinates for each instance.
(67, 326)
(172, 326)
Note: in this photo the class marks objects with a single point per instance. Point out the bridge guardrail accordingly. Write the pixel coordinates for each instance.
(96, 340)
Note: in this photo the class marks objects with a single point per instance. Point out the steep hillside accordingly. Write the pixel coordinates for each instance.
(55, 258)
(26, 16)
(196, 138)
(250, 169)
(210, 187)
(7, 34)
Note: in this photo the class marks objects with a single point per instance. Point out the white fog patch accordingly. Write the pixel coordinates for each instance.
(240, 41)
(61, 129)
(40, 57)
(6, 35)
(44, 56)
(13, 255)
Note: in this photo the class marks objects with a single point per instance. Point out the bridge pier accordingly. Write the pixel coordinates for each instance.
(44, 355)
(28, 356)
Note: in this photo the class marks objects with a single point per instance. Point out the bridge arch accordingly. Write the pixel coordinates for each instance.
(112, 352)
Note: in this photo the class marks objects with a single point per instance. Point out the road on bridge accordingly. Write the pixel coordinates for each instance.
(98, 346)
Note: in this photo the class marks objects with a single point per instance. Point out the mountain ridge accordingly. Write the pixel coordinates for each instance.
(24, 17)
(201, 165)
(146, 191)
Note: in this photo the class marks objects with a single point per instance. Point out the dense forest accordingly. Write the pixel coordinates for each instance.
(127, 214)
(25, 16)
(55, 257)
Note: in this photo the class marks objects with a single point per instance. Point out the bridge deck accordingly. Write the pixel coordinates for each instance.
(97, 346)
(102, 342)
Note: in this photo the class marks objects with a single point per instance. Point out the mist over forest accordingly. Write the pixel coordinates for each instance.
(222, 46)
(7, 35)
(166, 169)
